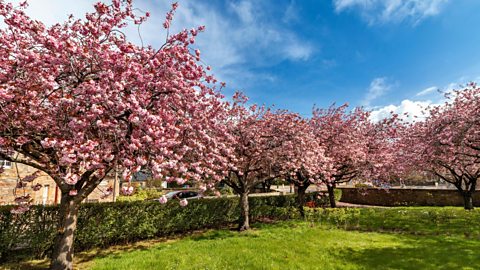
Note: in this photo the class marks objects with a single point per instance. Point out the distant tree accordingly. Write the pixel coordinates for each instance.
(447, 143)
(342, 135)
(300, 159)
(77, 100)
(355, 146)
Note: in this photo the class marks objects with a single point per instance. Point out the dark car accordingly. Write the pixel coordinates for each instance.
(183, 194)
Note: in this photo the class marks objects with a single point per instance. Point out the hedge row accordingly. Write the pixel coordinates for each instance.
(31, 234)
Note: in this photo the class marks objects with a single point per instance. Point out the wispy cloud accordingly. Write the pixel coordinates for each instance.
(244, 11)
(239, 39)
(236, 41)
(298, 51)
(427, 91)
(378, 87)
(382, 11)
(291, 12)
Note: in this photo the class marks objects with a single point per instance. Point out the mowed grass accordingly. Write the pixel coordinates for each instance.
(411, 220)
(373, 238)
(300, 245)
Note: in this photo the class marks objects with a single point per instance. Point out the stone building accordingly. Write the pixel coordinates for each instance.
(49, 193)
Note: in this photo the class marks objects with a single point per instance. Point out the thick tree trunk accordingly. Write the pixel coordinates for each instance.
(331, 195)
(244, 223)
(468, 201)
(62, 256)
(301, 198)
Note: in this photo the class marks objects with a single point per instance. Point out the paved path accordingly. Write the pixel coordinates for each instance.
(344, 205)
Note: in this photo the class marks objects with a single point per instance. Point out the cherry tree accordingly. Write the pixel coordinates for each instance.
(255, 134)
(341, 133)
(447, 143)
(355, 146)
(381, 148)
(78, 99)
(300, 158)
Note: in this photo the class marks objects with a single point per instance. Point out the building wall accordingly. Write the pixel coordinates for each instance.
(46, 195)
(405, 197)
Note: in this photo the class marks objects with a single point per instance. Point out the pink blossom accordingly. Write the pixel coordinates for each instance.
(23, 199)
(77, 117)
(71, 179)
(19, 209)
(107, 192)
(163, 199)
(180, 181)
(183, 202)
(127, 190)
(36, 187)
(21, 184)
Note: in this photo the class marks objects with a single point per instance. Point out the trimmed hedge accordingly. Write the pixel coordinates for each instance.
(30, 235)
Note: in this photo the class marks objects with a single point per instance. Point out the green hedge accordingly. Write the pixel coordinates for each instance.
(102, 224)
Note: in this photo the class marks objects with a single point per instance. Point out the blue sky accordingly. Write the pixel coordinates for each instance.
(382, 54)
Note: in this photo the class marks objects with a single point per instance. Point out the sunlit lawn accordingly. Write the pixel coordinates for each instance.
(297, 245)
(410, 238)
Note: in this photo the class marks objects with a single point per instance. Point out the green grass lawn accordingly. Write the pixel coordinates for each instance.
(299, 245)
(380, 238)
(412, 220)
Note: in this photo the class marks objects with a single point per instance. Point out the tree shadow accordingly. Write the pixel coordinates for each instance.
(225, 234)
(418, 252)
(214, 235)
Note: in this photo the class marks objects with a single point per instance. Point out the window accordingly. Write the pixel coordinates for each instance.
(5, 164)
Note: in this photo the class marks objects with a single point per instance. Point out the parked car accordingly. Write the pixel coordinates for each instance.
(183, 194)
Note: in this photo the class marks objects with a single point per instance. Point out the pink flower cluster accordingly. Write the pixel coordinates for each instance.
(102, 102)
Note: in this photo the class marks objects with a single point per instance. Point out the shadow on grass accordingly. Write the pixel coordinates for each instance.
(225, 234)
(418, 253)
(214, 235)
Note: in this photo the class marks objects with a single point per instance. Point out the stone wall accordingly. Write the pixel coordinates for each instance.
(405, 197)
(48, 193)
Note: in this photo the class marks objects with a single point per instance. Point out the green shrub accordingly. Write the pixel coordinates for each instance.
(142, 194)
(322, 200)
(104, 224)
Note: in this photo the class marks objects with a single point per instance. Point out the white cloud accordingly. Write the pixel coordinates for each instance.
(378, 87)
(243, 10)
(414, 110)
(408, 110)
(56, 11)
(382, 11)
(298, 51)
(427, 91)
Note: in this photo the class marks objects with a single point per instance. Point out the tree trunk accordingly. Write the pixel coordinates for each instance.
(331, 195)
(244, 223)
(468, 201)
(62, 256)
(301, 198)
(266, 186)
